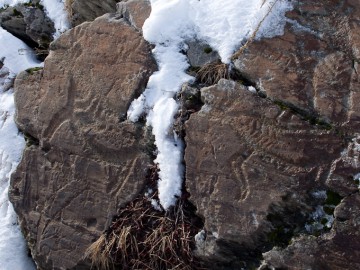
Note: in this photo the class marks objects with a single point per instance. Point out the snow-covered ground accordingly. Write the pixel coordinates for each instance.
(16, 56)
(224, 25)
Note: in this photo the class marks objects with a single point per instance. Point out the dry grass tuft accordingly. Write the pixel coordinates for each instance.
(211, 73)
(141, 237)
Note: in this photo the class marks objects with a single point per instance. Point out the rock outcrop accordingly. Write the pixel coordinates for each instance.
(29, 23)
(272, 171)
(88, 10)
(277, 166)
(135, 12)
(83, 161)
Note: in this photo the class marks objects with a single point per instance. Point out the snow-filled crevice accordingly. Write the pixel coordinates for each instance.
(55, 10)
(224, 25)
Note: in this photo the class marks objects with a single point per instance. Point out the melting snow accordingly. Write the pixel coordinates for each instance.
(55, 10)
(224, 25)
(11, 2)
(16, 57)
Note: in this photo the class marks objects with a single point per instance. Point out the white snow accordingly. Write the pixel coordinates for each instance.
(16, 57)
(224, 25)
(55, 10)
(252, 89)
(11, 2)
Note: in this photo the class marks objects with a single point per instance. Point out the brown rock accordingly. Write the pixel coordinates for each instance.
(135, 12)
(262, 168)
(88, 10)
(316, 60)
(84, 161)
(251, 168)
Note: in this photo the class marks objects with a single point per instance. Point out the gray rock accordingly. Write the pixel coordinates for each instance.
(199, 53)
(29, 23)
(338, 249)
(88, 10)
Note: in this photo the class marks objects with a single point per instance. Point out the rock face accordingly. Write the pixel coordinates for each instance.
(83, 161)
(135, 12)
(275, 166)
(317, 59)
(88, 10)
(29, 23)
(338, 249)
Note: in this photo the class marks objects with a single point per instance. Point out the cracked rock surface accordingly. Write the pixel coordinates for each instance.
(272, 172)
(83, 162)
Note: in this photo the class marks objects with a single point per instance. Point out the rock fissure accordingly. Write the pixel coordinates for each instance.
(271, 173)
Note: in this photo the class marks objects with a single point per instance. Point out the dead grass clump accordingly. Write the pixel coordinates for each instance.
(211, 73)
(141, 237)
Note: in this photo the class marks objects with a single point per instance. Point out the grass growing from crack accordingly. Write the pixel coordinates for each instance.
(141, 237)
(211, 73)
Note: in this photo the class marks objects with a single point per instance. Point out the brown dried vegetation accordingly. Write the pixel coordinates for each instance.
(141, 237)
(211, 73)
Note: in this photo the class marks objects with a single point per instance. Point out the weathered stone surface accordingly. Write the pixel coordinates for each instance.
(338, 249)
(135, 12)
(6, 81)
(250, 164)
(262, 167)
(83, 161)
(316, 59)
(88, 10)
(29, 23)
(199, 53)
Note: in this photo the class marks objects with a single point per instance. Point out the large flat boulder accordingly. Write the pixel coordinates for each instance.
(83, 160)
(253, 170)
(271, 172)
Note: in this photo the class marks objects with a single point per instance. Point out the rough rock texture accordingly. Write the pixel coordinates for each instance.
(199, 53)
(6, 81)
(135, 12)
(263, 168)
(316, 59)
(338, 249)
(29, 23)
(83, 161)
(88, 10)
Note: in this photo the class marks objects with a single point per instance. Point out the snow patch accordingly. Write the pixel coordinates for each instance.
(55, 10)
(252, 89)
(16, 56)
(224, 25)
(200, 237)
(4, 3)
